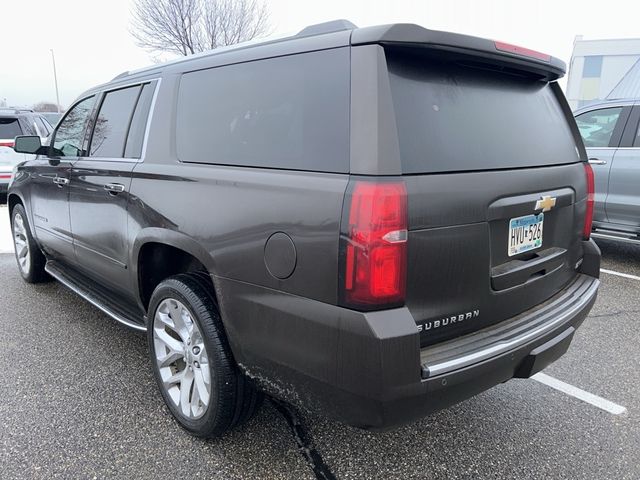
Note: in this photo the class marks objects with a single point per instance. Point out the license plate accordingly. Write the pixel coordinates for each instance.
(525, 233)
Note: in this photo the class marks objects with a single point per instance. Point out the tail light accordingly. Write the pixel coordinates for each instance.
(7, 144)
(525, 52)
(588, 217)
(374, 245)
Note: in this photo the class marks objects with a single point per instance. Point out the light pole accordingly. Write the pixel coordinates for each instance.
(55, 79)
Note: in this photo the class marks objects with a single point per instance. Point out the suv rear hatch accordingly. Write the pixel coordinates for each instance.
(496, 189)
(9, 129)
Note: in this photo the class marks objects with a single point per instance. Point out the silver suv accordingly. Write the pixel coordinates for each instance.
(611, 136)
(15, 122)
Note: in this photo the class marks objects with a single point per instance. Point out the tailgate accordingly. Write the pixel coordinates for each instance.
(460, 275)
(496, 190)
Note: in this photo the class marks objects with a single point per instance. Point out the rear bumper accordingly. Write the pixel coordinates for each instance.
(366, 368)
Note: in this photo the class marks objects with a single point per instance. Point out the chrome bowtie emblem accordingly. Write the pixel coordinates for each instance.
(546, 203)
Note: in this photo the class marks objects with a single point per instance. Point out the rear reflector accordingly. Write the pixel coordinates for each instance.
(7, 144)
(524, 52)
(588, 216)
(5, 176)
(374, 245)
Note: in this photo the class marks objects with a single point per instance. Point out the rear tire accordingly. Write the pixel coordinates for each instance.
(30, 259)
(192, 362)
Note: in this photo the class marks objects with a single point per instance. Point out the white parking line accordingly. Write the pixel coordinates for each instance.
(580, 394)
(6, 242)
(619, 274)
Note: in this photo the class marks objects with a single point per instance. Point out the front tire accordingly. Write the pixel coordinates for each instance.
(29, 257)
(192, 362)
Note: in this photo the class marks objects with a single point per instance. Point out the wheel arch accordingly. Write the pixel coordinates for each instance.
(186, 253)
(12, 200)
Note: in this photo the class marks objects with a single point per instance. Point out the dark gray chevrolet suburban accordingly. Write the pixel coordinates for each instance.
(372, 223)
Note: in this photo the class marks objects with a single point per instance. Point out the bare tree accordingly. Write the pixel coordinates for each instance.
(227, 22)
(47, 107)
(189, 26)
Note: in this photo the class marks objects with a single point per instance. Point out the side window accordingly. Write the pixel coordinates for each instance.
(112, 123)
(70, 134)
(596, 126)
(135, 138)
(28, 125)
(42, 127)
(288, 112)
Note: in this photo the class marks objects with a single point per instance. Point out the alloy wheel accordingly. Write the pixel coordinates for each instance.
(21, 243)
(181, 357)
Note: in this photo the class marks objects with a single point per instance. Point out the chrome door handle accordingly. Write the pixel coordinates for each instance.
(60, 181)
(597, 161)
(114, 187)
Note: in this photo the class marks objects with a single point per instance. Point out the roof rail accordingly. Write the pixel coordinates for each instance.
(326, 27)
(17, 110)
(312, 30)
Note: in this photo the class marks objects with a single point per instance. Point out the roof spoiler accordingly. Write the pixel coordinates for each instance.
(475, 48)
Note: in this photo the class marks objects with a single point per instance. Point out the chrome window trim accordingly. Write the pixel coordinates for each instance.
(158, 80)
(147, 129)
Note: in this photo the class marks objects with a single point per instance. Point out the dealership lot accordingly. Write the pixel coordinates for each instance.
(78, 400)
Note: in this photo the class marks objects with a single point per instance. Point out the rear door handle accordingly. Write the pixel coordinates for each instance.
(597, 161)
(60, 181)
(114, 188)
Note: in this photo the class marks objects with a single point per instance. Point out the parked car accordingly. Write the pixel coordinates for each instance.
(15, 122)
(52, 117)
(612, 139)
(372, 223)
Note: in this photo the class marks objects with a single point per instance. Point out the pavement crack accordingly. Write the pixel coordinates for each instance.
(303, 440)
(612, 314)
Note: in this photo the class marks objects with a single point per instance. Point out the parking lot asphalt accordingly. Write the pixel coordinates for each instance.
(78, 400)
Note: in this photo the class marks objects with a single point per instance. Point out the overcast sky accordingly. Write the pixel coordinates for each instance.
(92, 43)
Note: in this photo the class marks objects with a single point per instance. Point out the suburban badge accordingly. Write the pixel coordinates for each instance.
(449, 320)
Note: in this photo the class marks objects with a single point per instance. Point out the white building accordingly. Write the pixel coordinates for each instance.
(603, 70)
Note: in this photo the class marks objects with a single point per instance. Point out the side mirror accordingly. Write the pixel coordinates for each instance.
(28, 144)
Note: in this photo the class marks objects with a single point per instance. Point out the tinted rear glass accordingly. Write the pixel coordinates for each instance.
(289, 112)
(9, 128)
(112, 124)
(459, 118)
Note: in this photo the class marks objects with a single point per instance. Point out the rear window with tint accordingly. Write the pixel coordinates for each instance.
(9, 128)
(460, 118)
(289, 112)
(112, 124)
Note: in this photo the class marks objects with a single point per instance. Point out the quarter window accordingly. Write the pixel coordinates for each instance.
(289, 112)
(596, 126)
(69, 137)
(112, 123)
(42, 127)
